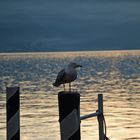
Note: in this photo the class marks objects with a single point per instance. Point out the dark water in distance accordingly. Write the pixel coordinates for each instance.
(115, 74)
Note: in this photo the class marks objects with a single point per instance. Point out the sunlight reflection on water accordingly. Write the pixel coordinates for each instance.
(115, 74)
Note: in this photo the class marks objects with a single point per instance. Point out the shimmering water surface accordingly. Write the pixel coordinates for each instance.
(115, 74)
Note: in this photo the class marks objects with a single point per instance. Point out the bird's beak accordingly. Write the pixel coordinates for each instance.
(79, 65)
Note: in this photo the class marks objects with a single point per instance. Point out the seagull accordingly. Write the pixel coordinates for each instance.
(67, 75)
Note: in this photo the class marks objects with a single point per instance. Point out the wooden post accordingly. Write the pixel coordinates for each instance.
(13, 113)
(69, 115)
(100, 117)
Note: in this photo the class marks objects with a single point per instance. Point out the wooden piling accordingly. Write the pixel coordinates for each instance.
(13, 113)
(69, 115)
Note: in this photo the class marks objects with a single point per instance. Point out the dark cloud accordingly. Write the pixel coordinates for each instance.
(69, 25)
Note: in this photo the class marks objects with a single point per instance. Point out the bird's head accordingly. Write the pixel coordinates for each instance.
(74, 65)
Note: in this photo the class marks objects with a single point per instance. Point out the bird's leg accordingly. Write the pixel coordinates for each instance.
(69, 86)
(64, 86)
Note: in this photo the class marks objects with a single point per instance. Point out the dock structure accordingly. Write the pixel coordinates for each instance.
(69, 116)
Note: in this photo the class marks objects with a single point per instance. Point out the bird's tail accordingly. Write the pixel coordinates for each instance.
(56, 84)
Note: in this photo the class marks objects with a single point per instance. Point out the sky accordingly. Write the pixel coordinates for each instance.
(69, 25)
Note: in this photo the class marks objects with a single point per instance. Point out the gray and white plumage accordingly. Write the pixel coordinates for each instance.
(67, 75)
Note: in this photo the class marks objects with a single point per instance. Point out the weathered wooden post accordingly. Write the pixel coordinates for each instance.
(69, 115)
(13, 113)
(100, 117)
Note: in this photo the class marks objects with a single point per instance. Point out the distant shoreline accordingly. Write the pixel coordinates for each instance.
(57, 55)
(70, 52)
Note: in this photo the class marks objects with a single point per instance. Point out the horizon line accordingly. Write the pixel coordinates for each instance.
(51, 52)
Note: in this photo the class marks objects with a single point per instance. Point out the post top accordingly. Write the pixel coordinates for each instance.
(71, 93)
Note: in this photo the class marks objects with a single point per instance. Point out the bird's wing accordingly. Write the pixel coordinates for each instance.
(60, 76)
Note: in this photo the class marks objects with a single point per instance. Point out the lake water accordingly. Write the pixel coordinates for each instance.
(115, 74)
